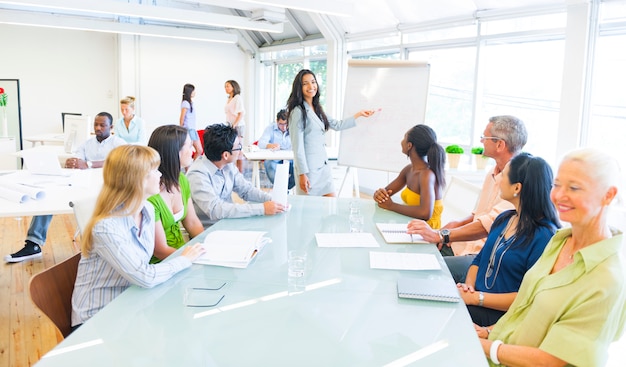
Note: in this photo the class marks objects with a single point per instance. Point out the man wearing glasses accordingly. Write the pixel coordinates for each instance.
(276, 137)
(213, 178)
(503, 138)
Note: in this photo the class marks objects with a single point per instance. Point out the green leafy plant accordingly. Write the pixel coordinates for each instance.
(478, 150)
(454, 149)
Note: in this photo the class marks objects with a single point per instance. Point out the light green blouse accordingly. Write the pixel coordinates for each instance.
(573, 314)
(173, 234)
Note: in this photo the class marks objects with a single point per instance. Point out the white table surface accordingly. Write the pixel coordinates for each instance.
(59, 191)
(339, 313)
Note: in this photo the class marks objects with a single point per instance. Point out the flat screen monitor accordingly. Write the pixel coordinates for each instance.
(77, 130)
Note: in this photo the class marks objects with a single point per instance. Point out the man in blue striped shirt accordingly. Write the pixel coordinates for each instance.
(276, 137)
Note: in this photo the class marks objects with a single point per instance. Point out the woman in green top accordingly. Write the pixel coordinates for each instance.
(172, 205)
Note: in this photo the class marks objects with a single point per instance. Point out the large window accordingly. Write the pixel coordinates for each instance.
(607, 123)
(514, 81)
(450, 93)
(285, 73)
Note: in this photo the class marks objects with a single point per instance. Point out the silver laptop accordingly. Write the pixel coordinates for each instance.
(44, 163)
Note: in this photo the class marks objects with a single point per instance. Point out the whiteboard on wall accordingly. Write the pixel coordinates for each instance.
(397, 91)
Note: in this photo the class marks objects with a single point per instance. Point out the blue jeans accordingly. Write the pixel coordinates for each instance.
(270, 170)
(38, 229)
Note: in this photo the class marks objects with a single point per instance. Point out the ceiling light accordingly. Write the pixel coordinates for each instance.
(154, 12)
(64, 22)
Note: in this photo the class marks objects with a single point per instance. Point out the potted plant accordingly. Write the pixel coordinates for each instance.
(479, 159)
(454, 155)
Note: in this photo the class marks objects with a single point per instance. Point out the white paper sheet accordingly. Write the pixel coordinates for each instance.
(346, 240)
(281, 183)
(403, 261)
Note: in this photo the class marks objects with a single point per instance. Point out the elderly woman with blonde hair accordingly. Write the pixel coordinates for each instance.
(572, 303)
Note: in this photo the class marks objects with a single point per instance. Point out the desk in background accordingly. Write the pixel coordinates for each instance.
(59, 192)
(257, 156)
(341, 313)
(42, 139)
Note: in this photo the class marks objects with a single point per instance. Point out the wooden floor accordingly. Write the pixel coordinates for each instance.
(25, 333)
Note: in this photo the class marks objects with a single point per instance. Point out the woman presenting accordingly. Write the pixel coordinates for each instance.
(307, 125)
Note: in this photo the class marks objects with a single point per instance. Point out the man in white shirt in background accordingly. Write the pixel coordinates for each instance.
(276, 137)
(91, 153)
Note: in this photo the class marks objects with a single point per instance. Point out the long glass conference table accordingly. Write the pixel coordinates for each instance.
(339, 312)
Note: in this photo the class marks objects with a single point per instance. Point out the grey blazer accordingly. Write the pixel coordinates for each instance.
(309, 148)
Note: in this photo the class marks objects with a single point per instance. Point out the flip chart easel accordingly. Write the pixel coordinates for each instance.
(397, 91)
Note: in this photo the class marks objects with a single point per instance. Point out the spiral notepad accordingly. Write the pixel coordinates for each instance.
(396, 233)
(442, 290)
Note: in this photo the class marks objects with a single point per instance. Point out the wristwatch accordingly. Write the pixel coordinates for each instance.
(444, 234)
(89, 164)
(481, 301)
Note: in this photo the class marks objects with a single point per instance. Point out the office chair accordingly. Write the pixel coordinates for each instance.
(51, 291)
(83, 209)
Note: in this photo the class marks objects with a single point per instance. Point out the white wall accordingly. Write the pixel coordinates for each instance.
(165, 65)
(79, 71)
(59, 71)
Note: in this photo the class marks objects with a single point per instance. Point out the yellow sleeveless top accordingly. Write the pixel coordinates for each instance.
(411, 198)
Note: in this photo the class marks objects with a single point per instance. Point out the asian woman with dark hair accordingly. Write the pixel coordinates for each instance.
(516, 240)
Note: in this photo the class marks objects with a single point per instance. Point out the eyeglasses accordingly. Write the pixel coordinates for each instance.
(495, 138)
(236, 149)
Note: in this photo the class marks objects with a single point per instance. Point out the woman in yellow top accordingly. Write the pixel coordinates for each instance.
(423, 180)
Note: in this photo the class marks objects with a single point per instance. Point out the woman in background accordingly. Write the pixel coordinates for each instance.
(516, 240)
(307, 126)
(172, 205)
(234, 113)
(423, 180)
(118, 240)
(188, 117)
(130, 127)
(572, 303)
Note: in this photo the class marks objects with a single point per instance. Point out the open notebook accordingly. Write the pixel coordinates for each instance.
(234, 249)
(396, 233)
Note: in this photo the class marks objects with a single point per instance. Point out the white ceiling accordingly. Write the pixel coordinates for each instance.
(254, 23)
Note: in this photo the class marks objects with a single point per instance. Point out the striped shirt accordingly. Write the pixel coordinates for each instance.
(119, 258)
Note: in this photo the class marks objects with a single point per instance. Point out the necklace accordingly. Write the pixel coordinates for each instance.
(500, 242)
